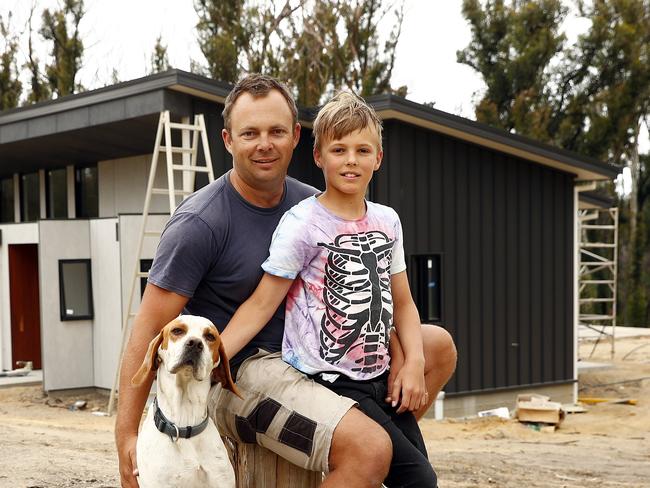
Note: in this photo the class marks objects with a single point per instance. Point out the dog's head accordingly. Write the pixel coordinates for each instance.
(191, 344)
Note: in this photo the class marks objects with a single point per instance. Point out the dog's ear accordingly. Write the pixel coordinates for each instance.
(150, 362)
(222, 372)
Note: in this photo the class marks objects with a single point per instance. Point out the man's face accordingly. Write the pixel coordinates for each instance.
(261, 139)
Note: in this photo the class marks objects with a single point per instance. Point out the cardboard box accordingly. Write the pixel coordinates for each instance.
(538, 408)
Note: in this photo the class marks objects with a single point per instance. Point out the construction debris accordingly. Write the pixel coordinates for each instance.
(539, 409)
(607, 401)
(26, 367)
(501, 412)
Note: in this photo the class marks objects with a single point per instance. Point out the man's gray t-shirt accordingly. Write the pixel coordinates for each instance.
(212, 249)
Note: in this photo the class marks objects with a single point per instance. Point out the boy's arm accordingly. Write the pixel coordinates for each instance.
(254, 313)
(410, 378)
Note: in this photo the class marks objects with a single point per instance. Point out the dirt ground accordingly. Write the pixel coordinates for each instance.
(45, 444)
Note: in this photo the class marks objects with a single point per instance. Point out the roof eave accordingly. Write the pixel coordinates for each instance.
(172, 79)
(584, 169)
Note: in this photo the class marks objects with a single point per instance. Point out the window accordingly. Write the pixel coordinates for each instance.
(7, 199)
(75, 289)
(145, 266)
(427, 286)
(30, 203)
(57, 193)
(86, 192)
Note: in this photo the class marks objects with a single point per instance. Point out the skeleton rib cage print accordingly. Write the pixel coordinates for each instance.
(358, 303)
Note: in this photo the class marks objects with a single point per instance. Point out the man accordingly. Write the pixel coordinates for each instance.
(209, 261)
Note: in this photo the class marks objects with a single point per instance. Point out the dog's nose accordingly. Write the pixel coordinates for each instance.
(195, 344)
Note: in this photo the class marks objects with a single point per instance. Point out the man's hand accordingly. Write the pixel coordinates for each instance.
(408, 387)
(128, 461)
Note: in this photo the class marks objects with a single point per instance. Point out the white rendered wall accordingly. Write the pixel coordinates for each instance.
(123, 185)
(11, 234)
(105, 261)
(67, 345)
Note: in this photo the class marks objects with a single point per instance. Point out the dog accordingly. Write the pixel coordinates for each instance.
(179, 445)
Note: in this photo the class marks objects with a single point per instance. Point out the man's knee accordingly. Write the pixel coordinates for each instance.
(362, 446)
(439, 347)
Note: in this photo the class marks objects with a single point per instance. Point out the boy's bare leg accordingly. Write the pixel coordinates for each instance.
(439, 361)
(360, 455)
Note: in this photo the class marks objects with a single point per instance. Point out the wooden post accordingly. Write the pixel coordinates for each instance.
(256, 467)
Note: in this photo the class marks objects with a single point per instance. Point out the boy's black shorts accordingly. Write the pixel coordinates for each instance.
(410, 466)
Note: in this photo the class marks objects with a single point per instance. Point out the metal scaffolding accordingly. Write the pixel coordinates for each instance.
(598, 261)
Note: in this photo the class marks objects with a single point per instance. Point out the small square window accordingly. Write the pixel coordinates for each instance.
(75, 288)
(426, 284)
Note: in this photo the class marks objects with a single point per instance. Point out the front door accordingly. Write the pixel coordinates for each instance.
(25, 304)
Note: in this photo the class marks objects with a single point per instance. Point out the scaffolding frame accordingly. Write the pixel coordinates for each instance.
(598, 265)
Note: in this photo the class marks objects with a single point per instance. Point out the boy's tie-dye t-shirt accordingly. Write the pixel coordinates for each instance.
(339, 309)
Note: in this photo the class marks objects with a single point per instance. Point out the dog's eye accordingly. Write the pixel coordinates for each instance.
(177, 331)
(210, 337)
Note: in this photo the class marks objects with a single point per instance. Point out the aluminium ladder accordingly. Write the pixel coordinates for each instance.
(190, 134)
(598, 264)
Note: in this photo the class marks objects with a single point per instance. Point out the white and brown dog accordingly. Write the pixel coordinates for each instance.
(178, 445)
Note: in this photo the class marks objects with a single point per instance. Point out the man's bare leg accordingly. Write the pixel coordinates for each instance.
(439, 362)
(360, 455)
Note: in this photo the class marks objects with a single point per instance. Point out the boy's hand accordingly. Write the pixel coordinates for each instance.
(408, 386)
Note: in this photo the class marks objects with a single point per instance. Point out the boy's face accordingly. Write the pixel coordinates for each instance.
(261, 139)
(348, 163)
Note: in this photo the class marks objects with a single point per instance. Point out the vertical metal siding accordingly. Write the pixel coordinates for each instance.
(503, 226)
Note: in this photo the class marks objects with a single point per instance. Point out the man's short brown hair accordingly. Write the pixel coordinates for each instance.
(342, 115)
(258, 86)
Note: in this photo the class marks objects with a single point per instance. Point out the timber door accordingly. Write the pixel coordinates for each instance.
(25, 304)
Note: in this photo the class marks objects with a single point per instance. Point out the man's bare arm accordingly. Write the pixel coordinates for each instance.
(158, 308)
(254, 313)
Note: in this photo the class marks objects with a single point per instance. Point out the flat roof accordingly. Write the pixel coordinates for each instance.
(119, 119)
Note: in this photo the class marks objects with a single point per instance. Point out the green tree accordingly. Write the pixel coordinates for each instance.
(220, 36)
(10, 86)
(61, 28)
(39, 88)
(590, 98)
(159, 57)
(512, 47)
(316, 46)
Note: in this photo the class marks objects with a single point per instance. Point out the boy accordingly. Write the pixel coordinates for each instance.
(339, 260)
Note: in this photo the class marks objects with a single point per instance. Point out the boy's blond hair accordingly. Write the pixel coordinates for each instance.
(342, 115)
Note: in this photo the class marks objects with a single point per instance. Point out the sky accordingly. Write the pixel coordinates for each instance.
(120, 35)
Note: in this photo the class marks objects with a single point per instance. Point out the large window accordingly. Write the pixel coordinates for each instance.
(426, 282)
(86, 192)
(30, 203)
(75, 288)
(7, 199)
(57, 193)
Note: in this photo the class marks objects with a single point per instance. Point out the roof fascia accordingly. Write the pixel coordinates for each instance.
(392, 107)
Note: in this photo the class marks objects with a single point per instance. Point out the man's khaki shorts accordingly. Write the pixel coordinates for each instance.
(282, 410)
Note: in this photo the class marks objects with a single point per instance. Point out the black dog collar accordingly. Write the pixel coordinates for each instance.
(171, 429)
